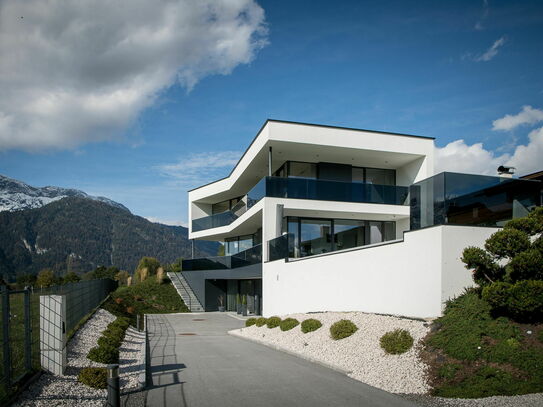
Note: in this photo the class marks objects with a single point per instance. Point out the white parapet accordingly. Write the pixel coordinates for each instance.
(412, 277)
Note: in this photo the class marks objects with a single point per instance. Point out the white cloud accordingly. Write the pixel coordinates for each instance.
(492, 51)
(73, 72)
(201, 168)
(458, 156)
(479, 24)
(528, 115)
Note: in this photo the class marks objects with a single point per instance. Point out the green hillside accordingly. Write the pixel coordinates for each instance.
(79, 234)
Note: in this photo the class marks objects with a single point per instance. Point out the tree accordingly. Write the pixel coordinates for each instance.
(512, 254)
(25, 280)
(71, 277)
(46, 278)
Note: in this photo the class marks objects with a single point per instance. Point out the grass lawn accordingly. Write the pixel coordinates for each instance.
(474, 355)
(147, 297)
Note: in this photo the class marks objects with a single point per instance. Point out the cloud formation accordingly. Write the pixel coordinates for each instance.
(492, 51)
(77, 72)
(461, 157)
(528, 115)
(201, 168)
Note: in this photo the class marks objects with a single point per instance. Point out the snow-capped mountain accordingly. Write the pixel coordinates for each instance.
(16, 195)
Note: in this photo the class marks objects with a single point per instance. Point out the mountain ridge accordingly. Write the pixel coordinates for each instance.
(18, 195)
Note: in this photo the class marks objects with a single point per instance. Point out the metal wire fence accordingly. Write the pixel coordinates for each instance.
(20, 325)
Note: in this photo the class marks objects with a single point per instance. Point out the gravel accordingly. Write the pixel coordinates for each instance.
(50, 390)
(359, 355)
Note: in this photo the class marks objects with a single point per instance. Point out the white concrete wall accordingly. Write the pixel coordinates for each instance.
(410, 278)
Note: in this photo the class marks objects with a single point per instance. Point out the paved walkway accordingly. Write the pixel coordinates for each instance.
(195, 363)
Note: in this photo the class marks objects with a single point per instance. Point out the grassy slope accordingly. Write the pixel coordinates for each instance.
(474, 355)
(147, 297)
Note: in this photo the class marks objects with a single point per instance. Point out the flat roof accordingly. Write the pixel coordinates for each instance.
(306, 124)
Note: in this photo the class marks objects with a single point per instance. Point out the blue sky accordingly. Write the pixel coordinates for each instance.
(448, 70)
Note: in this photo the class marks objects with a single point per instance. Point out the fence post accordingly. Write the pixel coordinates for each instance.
(5, 335)
(113, 393)
(28, 332)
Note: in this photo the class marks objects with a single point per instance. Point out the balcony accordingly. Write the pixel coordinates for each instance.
(306, 188)
(241, 259)
(472, 200)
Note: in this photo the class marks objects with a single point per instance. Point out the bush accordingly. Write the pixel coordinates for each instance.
(95, 377)
(525, 303)
(342, 329)
(507, 243)
(273, 322)
(288, 324)
(487, 381)
(261, 321)
(448, 370)
(310, 325)
(114, 332)
(485, 270)
(522, 301)
(497, 295)
(104, 354)
(396, 342)
(108, 341)
(527, 225)
(527, 265)
(250, 322)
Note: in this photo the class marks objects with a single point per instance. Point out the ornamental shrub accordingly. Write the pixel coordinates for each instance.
(114, 332)
(527, 225)
(250, 322)
(288, 323)
(507, 243)
(522, 301)
(104, 354)
(273, 322)
(497, 295)
(485, 270)
(310, 325)
(538, 244)
(396, 342)
(527, 265)
(525, 302)
(95, 377)
(342, 329)
(109, 341)
(261, 321)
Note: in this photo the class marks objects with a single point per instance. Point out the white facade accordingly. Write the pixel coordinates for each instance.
(412, 277)
(413, 274)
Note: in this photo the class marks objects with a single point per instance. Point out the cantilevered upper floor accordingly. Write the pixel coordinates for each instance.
(313, 162)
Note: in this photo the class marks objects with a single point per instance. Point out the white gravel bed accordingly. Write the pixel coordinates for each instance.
(131, 363)
(360, 355)
(50, 390)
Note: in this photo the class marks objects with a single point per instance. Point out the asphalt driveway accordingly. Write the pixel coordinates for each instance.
(194, 362)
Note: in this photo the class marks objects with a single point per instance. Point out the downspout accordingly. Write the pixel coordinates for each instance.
(270, 162)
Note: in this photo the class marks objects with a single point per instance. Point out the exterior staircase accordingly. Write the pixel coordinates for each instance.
(185, 292)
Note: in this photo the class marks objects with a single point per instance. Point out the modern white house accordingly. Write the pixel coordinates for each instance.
(324, 218)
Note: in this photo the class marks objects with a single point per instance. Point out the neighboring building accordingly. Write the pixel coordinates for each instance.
(324, 218)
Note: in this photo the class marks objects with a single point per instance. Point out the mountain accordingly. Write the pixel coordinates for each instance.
(78, 234)
(16, 195)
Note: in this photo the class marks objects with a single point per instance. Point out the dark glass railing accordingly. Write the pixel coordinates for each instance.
(247, 257)
(281, 247)
(475, 200)
(305, 188)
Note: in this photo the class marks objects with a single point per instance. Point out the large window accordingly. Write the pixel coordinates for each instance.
(224, 206)
(315, 236)
(238, 244)
(310, 236)
(380, 176)
(349, 233)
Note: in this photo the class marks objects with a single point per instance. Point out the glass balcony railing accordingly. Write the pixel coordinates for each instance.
(247, 257)
(281, 247)
(305, 188)
(475, 200)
